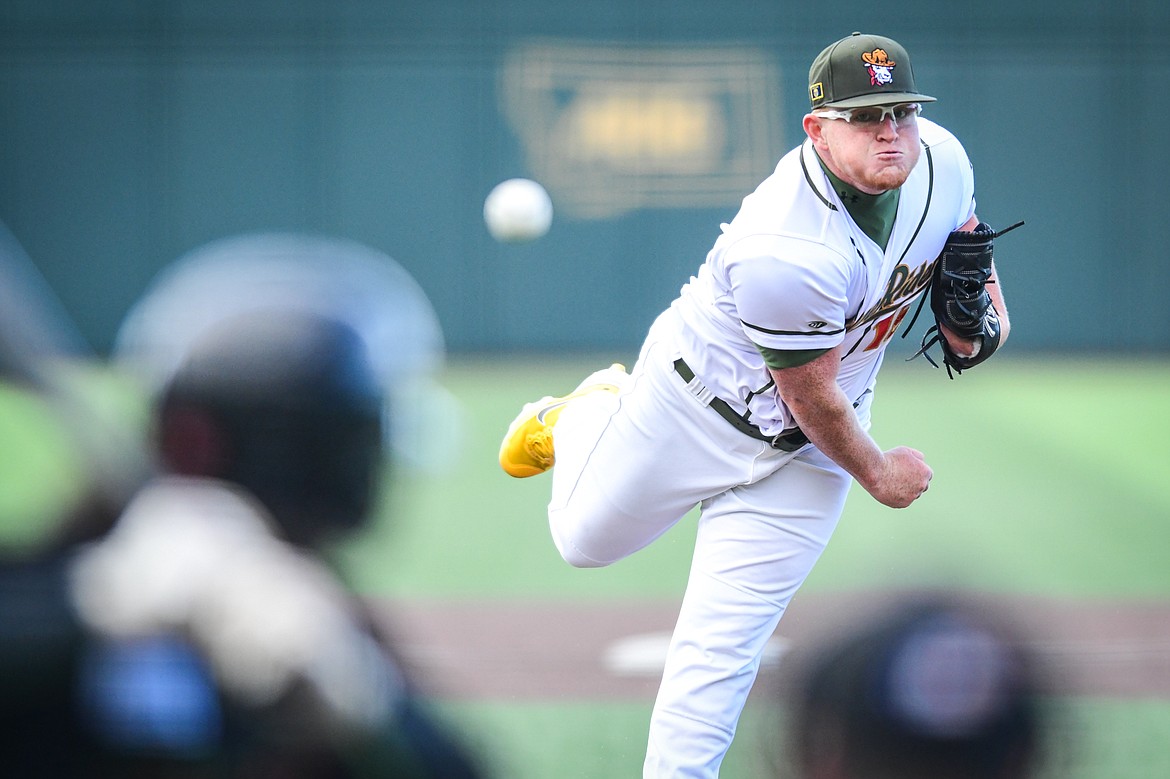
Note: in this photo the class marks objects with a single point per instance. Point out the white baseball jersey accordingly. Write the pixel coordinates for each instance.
(792, 271)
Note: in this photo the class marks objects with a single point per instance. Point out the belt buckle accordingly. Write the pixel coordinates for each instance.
(780, 440)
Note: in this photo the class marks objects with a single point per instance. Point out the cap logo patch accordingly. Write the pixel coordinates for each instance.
(880, 67)
(816, 91)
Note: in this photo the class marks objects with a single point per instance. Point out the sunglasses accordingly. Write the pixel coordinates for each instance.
(901, 113)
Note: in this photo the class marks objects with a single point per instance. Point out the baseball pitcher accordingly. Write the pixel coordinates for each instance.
(751, 394)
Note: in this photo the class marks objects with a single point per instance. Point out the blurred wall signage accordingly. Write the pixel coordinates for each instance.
(611, 128)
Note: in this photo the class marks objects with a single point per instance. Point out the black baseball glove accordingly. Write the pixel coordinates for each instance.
(959, 298)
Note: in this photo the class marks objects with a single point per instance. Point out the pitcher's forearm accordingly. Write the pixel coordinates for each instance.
(831, 424)
(894, 478)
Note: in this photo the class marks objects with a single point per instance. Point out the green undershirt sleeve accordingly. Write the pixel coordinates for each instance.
(788, 358)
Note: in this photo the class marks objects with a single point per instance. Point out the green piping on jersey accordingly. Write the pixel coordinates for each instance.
(788, 358)
(874, 214)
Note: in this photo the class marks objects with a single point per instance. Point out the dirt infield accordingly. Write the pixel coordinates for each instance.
(542, 650)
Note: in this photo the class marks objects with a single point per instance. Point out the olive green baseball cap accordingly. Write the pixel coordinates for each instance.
(863, 70)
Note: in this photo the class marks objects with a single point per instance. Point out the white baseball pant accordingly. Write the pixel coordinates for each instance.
(628, 467)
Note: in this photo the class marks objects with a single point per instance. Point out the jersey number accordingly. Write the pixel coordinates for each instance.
(883, 331)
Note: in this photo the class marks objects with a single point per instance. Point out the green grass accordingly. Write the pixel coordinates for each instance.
(36, 450)
(1112, 738)
(1050, 478)
(556, 739)
(472, 531)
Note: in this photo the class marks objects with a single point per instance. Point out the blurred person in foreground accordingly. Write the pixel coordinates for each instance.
(202, 635)
(937, 689)
(270, 437)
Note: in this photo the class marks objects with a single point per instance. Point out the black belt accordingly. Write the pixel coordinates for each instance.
(788, 441)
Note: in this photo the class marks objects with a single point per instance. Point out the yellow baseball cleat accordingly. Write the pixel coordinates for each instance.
(527, 448)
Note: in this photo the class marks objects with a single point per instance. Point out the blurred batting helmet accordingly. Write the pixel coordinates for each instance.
(936, 690)
(284, 403)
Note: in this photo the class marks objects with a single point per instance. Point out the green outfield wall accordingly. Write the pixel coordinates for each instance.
(134, 132)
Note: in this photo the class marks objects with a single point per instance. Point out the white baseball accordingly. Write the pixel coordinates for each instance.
(518, 210)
